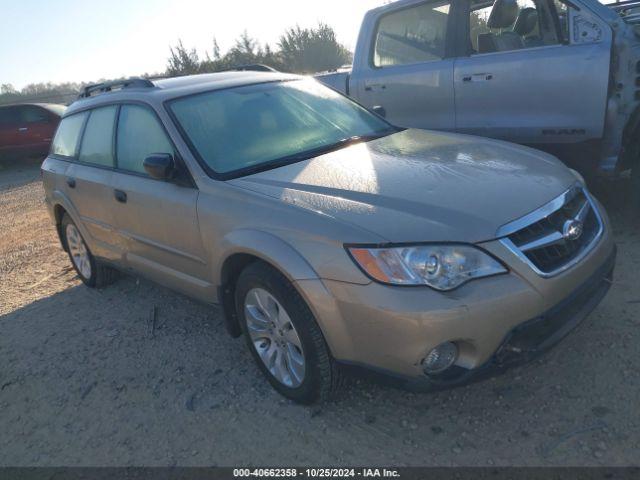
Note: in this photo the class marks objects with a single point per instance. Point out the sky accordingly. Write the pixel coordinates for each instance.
(77, 40)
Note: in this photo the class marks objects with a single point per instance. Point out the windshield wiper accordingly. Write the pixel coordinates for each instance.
(314, 152)
(340, 144)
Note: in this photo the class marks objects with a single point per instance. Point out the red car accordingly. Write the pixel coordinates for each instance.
(27, 130)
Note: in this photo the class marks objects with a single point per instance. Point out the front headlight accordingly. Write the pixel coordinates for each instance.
(443, 267)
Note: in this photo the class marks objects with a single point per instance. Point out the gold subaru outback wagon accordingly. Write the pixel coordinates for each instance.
(330, 238)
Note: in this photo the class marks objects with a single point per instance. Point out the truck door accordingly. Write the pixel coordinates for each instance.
(404, 64)
(536, 72)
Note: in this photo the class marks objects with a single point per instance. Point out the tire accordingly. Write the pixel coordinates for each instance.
(92, 273)
(322, 377)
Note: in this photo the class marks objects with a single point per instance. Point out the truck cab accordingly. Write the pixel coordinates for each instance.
(558, 75)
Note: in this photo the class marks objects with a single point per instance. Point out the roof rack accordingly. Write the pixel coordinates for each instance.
(254, 67)
(115, 85)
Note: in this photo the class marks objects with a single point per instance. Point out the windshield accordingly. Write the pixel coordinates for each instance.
(244, 129)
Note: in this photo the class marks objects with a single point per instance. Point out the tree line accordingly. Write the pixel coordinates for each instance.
(298, 50)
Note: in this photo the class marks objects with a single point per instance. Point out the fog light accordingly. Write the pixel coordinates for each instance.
(440, 358)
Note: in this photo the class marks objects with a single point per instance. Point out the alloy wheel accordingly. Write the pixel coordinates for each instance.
(274, 337)
(78, 250)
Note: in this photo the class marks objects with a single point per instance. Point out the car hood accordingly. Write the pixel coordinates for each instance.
(417, 186)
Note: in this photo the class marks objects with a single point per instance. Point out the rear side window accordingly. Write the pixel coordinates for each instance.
(139, 135)
(67, 136)
(412, 35)
(97, 142)
(31, 114)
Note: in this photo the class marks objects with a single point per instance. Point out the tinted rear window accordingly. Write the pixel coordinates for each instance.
(67, 137)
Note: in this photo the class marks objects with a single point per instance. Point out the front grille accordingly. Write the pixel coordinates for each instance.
(559, 235)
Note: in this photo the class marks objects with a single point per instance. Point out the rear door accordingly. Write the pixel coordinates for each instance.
(407, 69)
(87, 182)
(157, 220)
(537, 72)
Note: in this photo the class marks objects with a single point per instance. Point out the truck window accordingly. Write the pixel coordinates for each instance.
(507, 25)
(412, 35)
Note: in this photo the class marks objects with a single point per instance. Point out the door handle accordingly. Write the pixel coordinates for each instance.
(478, 77)
(120, 196)
(370, 86)
(71, 182)
(23, 129)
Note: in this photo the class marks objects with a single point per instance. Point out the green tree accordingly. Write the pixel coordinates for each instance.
(7, 89)
(311, 50)
(183, 61)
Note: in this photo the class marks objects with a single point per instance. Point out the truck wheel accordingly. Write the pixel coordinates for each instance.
(283, 336)
(92, 273)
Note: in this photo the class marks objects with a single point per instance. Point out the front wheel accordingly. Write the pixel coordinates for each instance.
(284, 337)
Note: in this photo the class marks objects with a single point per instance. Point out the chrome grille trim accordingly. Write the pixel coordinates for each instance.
(554, 237)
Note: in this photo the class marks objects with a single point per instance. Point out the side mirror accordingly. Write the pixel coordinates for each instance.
(160, 166)
(379, 110)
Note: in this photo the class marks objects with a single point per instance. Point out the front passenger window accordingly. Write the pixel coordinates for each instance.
(139, 135)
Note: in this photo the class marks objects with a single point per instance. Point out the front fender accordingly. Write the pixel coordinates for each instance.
(239, 247)
(266, 247)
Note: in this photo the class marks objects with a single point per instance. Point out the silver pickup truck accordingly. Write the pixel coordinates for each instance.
(558, 75)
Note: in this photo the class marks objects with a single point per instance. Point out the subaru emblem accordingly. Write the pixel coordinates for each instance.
(573, 230)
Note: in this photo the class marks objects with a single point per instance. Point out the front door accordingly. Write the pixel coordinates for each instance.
(157, 220)
(537, 72)
(408, 69)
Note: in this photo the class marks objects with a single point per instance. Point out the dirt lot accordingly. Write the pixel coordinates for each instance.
(86, 380)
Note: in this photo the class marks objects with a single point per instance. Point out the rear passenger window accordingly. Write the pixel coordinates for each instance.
(507, 26)
(139, 135)
(65, 143)
(97, 142)
(412, 35)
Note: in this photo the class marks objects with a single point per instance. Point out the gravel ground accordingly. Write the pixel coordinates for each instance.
(86, 379)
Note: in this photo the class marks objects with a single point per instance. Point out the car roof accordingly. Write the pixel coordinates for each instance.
(156, 92)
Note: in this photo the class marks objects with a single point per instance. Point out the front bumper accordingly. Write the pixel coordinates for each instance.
(531, 339)
(496, 322)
